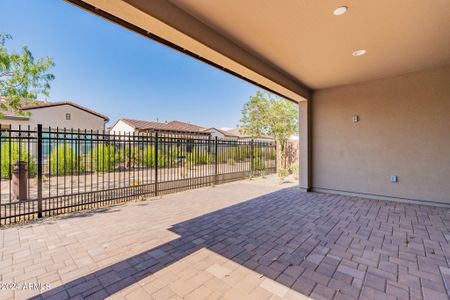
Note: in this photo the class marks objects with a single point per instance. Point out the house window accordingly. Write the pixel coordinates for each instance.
(67, 116)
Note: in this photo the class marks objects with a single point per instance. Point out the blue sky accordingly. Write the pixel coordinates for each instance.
(119, 73)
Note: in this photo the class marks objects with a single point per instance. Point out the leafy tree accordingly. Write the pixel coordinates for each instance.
(270, 115)
(21, 76)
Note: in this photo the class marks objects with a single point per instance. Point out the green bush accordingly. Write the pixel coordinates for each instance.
(221, 158)
(166, 156)
(232, 153)
(130, 157)
(236, 153)
(104, 158)
(149, 156)
(271, 154)
(245, 151)
(64, 161)
(198, 157)
(10, 153)
(257, 152)
(293, 168)
(258, 164)
(282, 172)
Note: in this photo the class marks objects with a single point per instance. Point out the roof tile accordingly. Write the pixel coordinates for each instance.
(174, 125)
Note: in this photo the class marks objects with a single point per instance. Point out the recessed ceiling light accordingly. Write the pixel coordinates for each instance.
(359, 52)
(340, 10)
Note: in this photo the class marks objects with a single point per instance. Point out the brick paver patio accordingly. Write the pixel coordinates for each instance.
(244, 240)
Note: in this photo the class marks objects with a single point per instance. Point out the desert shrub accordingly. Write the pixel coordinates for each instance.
(149, 156)
(246, 151)
(10, 154)
(64, 161)
(104, 158)
(257, 152)
(293, 168)
(198, 157)
(258, 164)
(271, 154)
(221, 157)
(231, 153)
(166, 156)
(237, 153)
(130, 156)
(240, 152)
(282, 172)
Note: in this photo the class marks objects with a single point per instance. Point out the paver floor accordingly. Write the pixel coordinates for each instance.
(244, 240)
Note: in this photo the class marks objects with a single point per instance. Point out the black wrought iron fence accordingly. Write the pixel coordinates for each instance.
(45, 172)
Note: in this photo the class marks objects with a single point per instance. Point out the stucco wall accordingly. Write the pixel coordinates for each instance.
(215, 133)
(55, 116)
(404, 130)
(14, 123)
(121, 127)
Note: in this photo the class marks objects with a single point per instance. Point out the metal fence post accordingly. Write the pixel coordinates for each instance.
(39, 169)
(215, 161)
(156, 164)
(251, 158)
(129, 154)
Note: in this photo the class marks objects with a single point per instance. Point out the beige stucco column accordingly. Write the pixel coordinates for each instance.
(305, 149)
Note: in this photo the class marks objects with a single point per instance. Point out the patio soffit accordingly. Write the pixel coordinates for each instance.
(293, 47)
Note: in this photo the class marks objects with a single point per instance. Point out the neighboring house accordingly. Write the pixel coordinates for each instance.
(55, 114)
(193, 133)
(130, 126)
(11, 119)
(221, 134)
(241, 136)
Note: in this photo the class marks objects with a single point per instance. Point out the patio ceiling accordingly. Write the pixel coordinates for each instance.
(307, 41)
(299, 46)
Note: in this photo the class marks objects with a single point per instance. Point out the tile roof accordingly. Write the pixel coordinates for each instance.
(13, 116)
(42, 104)
(141, 124)
(237, 132)
(224, 132)
(183, 126)
(176, 126)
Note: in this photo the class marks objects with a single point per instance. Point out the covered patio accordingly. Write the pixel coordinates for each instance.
(369, 217)
(244, 240)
